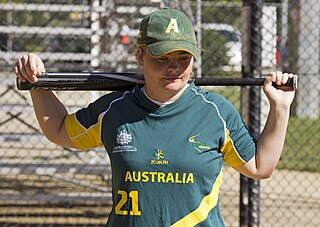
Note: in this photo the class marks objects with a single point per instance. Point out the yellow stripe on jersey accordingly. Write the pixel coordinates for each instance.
(230, 154)
(206, 205)
(82, 137)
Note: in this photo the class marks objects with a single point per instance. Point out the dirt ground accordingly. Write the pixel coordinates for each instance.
(288, 198)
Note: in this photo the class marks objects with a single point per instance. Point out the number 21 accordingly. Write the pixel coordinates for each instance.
(124, 198)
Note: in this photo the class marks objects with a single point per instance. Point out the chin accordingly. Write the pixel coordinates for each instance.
(175, 86)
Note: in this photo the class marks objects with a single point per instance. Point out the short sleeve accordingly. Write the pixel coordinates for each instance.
(83, 137)
(238, 146)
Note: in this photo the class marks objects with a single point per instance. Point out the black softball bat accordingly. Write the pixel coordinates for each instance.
(112, 81)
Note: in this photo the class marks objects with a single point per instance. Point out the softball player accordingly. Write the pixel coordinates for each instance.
(167, 141)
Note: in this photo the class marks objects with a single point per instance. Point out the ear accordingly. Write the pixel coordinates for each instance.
(139, 56)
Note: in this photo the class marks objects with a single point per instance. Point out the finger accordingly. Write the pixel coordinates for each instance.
(22, 70)
(36, 64)
(32, 66)
(25, 69)
(279, 75)
(40, 67)
(291, 75)
(17, 72)
(284, 78)
(26, 62)
(271, 78)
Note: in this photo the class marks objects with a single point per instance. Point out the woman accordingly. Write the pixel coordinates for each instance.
(167, 140)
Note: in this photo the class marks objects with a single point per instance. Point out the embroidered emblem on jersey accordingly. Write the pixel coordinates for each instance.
(199, 146)
(159, 154)
(123, 139)
(159, 160)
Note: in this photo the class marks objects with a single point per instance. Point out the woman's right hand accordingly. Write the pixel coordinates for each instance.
(29, 67)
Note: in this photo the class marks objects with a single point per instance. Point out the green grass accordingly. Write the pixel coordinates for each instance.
(230, 93)
(301, 151)
(302, 146)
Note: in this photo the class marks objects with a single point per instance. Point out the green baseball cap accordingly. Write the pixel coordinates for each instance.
(167, 30)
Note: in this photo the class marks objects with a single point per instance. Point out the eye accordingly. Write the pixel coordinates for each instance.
(184, 58)
(162, 59)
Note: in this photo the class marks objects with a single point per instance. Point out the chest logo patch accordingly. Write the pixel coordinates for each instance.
(124, 137)
(123, 140)
(199, 146)
(159, 160)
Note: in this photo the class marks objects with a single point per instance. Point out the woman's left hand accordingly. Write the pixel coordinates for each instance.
(279, 95)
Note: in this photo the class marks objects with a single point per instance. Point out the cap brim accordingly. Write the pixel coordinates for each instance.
(159, 49)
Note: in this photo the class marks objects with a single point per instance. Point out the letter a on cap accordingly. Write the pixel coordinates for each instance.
(173, 25)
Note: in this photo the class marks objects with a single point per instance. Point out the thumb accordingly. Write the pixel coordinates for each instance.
(40, 68)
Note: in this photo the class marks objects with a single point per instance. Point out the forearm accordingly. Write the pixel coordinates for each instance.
(271, 141)
(50, 113)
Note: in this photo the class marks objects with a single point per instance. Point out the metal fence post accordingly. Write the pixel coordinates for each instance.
(249, 188)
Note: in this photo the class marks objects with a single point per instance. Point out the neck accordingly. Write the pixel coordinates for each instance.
(165, 97)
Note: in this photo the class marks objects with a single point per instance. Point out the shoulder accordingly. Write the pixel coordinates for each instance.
(116, 95)
(104, 104)
(108, 99)
(210, 96)
(222, 105)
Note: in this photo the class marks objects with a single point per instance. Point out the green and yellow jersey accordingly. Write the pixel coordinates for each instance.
(166, 160)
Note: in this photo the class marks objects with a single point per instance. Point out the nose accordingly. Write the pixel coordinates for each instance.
(174, 67)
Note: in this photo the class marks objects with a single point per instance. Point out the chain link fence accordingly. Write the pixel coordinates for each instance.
(42, 184)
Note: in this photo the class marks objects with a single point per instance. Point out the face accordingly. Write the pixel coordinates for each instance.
(166, 76)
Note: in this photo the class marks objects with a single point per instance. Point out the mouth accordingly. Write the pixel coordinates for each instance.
(172, 78)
